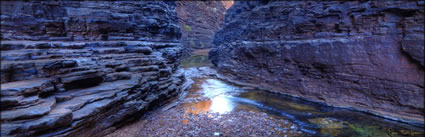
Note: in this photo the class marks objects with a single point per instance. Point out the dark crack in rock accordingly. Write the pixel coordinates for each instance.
(199, 21)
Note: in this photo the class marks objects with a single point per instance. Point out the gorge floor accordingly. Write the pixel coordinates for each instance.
(213, 107)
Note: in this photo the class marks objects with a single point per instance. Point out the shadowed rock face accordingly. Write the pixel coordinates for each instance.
(84, 68)
(363, 55)
(78, 21)
(199, 21)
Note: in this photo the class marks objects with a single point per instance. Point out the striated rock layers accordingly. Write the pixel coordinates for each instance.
(199, 21)
(366, 55)
(82, 68)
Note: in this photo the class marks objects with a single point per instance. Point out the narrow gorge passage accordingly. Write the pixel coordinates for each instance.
(212, 68)
(214, 107)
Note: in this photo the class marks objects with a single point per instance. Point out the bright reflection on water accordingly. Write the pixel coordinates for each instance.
(216, 96)
(212, 95)
(221, 104)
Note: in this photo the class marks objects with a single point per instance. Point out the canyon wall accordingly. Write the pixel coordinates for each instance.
(365, 55)
(83, 68)
(199, 21)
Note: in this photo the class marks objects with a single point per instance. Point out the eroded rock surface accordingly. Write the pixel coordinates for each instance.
(199, 21)
(365, 55)
(82, 68)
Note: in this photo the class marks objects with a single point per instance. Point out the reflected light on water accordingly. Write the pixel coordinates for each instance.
(213, 87)
(198, 107)
(222, 104)
(219, 97)
(212, 95)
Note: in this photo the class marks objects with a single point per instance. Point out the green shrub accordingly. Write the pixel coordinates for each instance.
(187, 27)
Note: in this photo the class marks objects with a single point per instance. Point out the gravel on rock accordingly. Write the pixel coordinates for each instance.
(179, 122)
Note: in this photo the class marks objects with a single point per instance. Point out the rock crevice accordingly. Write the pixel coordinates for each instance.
(199, 21)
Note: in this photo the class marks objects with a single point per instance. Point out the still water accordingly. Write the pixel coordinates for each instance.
(214, 95)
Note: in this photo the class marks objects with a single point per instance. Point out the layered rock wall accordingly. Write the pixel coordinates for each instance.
(366, 55)
(83, 68)
(199, 21)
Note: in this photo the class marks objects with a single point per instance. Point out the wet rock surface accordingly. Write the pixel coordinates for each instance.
(82, 68)
(365, 55)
